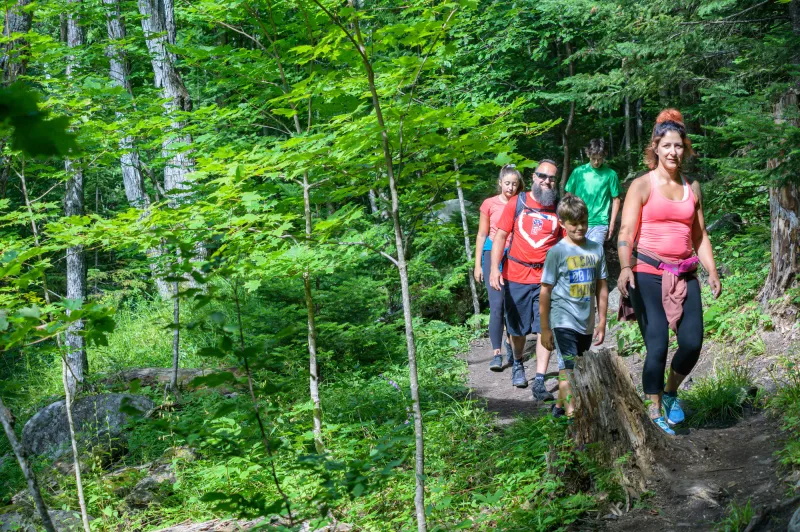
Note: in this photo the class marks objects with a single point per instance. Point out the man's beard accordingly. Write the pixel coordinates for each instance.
(545, 197)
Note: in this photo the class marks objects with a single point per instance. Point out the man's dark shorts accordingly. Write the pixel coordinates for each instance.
(569, 344)
(522, 308)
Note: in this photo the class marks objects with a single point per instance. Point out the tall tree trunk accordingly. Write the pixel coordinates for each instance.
(17, 20)
(7, 419)
(313, 367)
(565, 135)
(476, 305)
(77, 363)
(639, 128)
(373, 202)
(176, 337)
(628, 131)
(402, 266)
(610, 135)
(154, 24)
(74, 442)
(784, 202)
(132, 178)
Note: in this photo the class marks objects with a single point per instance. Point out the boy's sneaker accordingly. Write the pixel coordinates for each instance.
(540, 392)
(672, 410)
(662, 424)
(518, 377)
(558, 411)
(509, 353)
(497, 363)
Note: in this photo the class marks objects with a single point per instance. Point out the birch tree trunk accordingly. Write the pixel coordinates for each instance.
(16, 21)
(132, 178)
(7, 419)
(639, 128)
(565, 135)
(476, 305)
(77, 363)
(784, 202)
(628, 131)
(155, 26)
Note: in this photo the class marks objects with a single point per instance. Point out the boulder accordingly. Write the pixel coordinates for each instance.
(98, 418)
(149, 491)
(63, 521)
(794, 524)
(727, 222)
(450, 211)
(17, 522)
(158, 377)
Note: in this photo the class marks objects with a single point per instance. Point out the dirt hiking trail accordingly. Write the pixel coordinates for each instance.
(714, 466)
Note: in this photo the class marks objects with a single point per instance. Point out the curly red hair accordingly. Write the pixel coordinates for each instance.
(667, 120)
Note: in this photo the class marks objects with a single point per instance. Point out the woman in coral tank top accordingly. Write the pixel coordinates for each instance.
(662, 224)
(509, 183)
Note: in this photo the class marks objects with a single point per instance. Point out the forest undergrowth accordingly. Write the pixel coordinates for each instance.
(526, 476)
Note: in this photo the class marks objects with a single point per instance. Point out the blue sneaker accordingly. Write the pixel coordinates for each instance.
(518, 377)
(662, 424)
(497, 363)
(672, 409)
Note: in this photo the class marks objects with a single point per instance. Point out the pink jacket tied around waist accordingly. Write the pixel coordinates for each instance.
(673, 286)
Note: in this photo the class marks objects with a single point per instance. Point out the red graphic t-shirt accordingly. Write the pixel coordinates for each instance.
(534, 233)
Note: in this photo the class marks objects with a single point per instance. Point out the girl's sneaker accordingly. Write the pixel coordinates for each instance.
(497, 363)
(662, 424)
(672, 410)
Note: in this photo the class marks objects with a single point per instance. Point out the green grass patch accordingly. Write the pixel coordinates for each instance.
(718, 398)
(736, 518)
(786, 404)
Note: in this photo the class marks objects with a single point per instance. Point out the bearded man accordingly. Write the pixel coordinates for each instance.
(531, 219)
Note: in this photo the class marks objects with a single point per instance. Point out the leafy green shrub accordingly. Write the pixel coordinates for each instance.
(719, 397)
(787, 403)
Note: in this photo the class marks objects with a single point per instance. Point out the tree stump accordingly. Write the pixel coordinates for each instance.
(611, 415)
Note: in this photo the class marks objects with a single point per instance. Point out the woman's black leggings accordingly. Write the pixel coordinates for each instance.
(646, 301)
(496, 305)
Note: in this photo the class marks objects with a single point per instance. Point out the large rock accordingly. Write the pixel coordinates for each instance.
(98, 418)
(794, 524)
(450, 210)
(63, 521)
(17, 522)
(727, 222)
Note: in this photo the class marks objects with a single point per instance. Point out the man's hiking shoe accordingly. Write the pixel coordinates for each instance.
(662, 424)
(518, 377)
(497, 363)
(540, 392)
(558, 411)
(509, 353)
(672, 410)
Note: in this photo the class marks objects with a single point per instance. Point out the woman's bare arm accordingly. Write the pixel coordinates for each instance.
(631, 212)
(480, 240)
(702, 244)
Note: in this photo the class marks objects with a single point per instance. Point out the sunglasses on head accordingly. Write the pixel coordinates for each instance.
(544, 177)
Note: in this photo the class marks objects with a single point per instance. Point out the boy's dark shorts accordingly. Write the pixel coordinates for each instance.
(522, 308)
(569, 344)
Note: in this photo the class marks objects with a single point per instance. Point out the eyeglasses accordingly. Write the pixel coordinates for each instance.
(510, 165)
(545, 177)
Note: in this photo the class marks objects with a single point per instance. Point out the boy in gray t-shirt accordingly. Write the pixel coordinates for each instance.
(574, 278)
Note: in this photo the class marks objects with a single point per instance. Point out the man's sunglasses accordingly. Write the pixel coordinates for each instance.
(544, 177)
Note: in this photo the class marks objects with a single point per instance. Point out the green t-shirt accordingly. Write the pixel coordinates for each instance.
(596, 187)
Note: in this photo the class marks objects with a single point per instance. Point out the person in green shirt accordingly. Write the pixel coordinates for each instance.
(598, 186)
